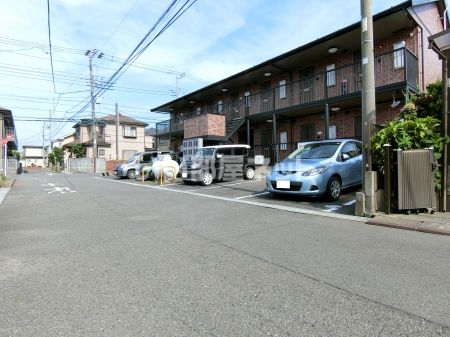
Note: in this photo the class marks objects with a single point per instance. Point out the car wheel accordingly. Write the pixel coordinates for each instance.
(249, 173)
(207, 179)
(333, 189)
(131, 174)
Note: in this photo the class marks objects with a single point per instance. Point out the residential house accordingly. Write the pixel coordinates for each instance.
(7, 132)
(311, 92)
(35, 155)
(114, 142)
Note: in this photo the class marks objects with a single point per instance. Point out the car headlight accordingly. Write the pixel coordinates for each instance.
(315, 171)
(195, 166)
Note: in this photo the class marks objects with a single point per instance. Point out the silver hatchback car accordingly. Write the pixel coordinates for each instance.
(319, 168)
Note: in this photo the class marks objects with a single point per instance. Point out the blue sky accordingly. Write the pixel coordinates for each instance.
(212, 40)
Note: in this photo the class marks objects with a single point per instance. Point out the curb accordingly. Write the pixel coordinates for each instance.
(3, 192)
(424, 226)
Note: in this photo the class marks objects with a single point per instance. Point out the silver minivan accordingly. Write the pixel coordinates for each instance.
(134, 163)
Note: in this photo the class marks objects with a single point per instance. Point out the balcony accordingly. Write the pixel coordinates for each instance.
(399, 67)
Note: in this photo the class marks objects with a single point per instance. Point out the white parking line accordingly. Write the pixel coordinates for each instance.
(246, 202)
(224, 185)
(351, 202)
(251, 195)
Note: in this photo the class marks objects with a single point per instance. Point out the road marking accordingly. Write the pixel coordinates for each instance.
(351, 202)
(246, 202)
(251, 195)
(53, 188)
(224, 185)
(332, 208)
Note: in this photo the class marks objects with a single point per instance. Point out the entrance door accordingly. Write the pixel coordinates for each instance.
(306, 85)
(307, 132)
(266, 96)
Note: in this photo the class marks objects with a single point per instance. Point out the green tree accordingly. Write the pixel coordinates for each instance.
(17, 155)
(77, 150)
(56, 156)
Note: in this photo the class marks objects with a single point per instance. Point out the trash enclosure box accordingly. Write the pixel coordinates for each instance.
(415, 179)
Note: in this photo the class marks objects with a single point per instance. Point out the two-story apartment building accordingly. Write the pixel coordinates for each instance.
(312, 92)
(115, 141)
(7, 131)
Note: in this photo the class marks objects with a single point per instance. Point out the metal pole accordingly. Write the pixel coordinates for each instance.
(248, 131)
(387, 178)
(4, 161)
(368, 107)
(117, 131)
(444, 126)
(274, 137)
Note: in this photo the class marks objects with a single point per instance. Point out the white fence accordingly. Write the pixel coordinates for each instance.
(84, 165)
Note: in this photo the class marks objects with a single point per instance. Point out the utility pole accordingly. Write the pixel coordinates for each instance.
(368, 80)
(180, 76)
(91, 54)
(117, 131)
(50, 129)
(366, 201)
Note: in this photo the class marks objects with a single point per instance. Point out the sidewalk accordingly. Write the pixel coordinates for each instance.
(435, 223)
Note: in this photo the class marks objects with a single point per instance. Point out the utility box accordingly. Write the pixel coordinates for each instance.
(415, 179)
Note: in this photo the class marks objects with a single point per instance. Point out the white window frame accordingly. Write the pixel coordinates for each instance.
(282, 88)
(129, 131)
(399, 54)
(331, 75)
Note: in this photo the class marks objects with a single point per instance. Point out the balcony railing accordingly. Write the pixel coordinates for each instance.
(399, 66)
(9, 131)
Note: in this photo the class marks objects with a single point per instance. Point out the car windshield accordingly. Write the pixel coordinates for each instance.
(204, 153)
(315, 151)
(133, 158)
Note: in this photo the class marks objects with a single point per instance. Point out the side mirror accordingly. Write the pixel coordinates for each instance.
(219, 156)
(345, 156)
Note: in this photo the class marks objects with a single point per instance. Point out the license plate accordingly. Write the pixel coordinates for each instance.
(284, 184)
(184, 175)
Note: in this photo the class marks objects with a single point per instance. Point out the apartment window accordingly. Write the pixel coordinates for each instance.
(247, 99)
(283, 141)
(282, 88)
(220, 107)
(129, 131)
(399, 55)
(331, 75)
(199, 111)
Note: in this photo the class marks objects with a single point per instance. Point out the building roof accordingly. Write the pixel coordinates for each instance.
(35, 146)
(123, 120)
(110, 119)
(385, 24)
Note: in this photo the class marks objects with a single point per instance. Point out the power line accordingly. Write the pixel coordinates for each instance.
(50, 45)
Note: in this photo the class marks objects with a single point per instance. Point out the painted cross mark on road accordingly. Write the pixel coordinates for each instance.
(53, 188)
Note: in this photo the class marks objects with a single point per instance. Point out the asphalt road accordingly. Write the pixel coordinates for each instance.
(97, 256)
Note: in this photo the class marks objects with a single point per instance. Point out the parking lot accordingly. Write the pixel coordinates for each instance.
(254, 191)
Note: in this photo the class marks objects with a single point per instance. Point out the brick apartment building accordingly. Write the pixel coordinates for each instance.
(312, 92)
